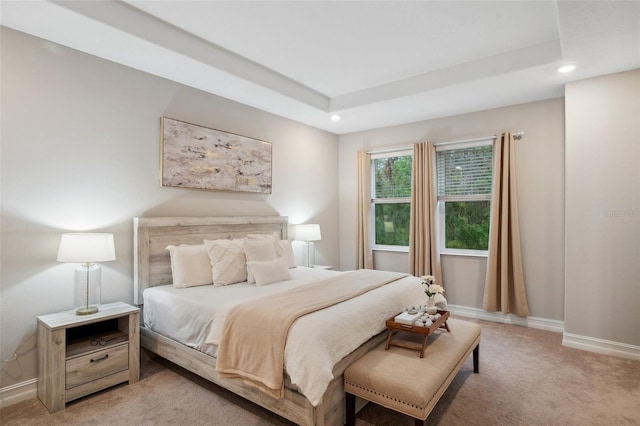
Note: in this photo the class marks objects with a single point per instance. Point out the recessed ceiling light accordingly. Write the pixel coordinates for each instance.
(566, 68)
(335, 117)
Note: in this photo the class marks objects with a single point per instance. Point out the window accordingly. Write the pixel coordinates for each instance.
(391, 198)
(464, 195)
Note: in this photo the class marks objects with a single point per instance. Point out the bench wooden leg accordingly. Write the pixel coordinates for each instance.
(350, 407)
(420, 422)
(476, 359)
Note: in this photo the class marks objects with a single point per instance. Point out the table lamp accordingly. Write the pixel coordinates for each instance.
(87, 248)
(309, 233)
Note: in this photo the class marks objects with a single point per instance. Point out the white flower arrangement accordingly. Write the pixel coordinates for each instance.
(430, 286)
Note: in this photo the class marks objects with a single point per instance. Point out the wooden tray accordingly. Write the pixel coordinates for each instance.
(394, 327)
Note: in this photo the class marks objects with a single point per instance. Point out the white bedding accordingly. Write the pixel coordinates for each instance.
(186, 314)
(316, 342)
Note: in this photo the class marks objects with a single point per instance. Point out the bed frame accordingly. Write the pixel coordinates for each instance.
(152, 267)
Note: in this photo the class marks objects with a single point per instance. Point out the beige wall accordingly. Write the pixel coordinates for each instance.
(80, 151)
(540, 160)
(603, 209)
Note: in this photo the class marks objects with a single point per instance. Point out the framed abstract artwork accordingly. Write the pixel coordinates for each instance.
(198, 157)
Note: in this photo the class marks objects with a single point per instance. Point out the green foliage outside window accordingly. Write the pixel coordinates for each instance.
(467, 225)
(464, 186)
(461, 172)
(392, 224)
(392, 183)
(393, 177)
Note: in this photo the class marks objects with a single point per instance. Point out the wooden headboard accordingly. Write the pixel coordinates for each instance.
(151, 236)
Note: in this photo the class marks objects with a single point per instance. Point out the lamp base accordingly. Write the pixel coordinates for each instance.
(88, 287)
(310, 254)
(86, 310)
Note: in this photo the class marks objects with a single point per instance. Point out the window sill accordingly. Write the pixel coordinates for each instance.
(399, 249)
(460, 253)
(464, 253)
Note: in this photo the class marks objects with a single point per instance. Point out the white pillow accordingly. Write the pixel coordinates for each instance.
(285, 251)
(270, 271)
(283, 247)
(260, 251)
(190, 265)
(228, 261)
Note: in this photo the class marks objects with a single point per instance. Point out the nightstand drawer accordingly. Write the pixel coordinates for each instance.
(95, 365)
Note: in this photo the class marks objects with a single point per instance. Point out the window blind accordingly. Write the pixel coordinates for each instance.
(466, 171)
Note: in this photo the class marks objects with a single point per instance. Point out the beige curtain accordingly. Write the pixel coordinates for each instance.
(424, 256)
(364, 254)
(504, 287)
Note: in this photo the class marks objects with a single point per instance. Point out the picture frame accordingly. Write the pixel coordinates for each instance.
(199, 157)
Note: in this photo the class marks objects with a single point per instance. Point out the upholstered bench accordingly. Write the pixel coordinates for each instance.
(400, 380)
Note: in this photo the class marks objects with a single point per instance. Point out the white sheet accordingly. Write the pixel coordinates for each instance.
(186, 314)
(316, 342)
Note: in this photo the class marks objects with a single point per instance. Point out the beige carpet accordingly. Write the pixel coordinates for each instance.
(526, 378)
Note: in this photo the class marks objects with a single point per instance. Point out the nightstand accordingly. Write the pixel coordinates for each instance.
(82, 354)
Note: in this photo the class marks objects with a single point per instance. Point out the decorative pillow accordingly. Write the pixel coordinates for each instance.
(190, 265)
(283, 247)
(270, 271)
(228, 261)
(285, 251)
(258, 250)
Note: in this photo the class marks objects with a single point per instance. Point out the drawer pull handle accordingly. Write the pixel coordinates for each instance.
(100, 359)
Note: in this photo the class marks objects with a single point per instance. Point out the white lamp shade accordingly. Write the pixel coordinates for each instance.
(86, 248)
(308, 232)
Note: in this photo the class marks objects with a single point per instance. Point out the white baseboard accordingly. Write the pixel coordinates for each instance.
(13, 394)
(607, 347)
(533, 322)
(586, 343)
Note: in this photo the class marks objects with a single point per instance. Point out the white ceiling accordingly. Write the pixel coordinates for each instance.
(374, 63)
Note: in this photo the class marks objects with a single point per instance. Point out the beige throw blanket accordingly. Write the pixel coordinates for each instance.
(255, 332)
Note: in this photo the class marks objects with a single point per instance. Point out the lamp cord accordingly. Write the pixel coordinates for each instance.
(31, 340)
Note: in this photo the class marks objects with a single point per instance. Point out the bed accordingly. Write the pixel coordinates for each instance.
(187, 346)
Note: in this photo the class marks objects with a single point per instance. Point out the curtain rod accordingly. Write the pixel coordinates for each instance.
(484, 138)
(516, 136)
(384, 151)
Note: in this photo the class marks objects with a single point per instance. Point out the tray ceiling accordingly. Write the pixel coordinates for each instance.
(374, 63)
